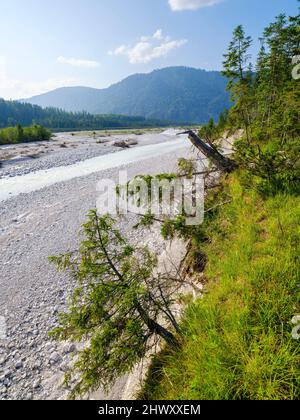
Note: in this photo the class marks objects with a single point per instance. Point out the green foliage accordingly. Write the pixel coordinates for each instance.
(211, 132)
(238, 70)
(186, 167)
(13, 112)
(223, 118)
(170, 227)
(158, 177)
(176, 227)
(145, 221)
(276, 92)
(134, 186)
(238, 341)
(270, 167)
(19, 134)
(236, 63)
(117, 306)
(266, 106)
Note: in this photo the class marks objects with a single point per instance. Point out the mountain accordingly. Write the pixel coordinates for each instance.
(179, 94)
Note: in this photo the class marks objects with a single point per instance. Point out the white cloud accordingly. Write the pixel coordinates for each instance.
(149, 48)
(17, 89)
(12, 88)
(178, 5)
(120, 50)
(75, 62)
(158, 34)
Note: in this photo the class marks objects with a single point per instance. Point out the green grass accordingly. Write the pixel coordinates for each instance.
(125, 131)
(130, 131)
(237, 338)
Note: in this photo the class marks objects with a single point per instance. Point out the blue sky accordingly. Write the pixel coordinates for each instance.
(45, 44)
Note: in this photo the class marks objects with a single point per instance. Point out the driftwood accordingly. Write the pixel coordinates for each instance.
(222, 162)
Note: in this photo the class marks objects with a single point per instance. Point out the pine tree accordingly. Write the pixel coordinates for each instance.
(237, 69)
(119, 308)
(267, 104)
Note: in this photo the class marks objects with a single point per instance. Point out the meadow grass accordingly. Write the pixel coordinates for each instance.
(238, 337)
(121, 131)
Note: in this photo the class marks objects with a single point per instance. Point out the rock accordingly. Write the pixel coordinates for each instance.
(36, 385)
(36, 365)
(49, 347)
(7, 382)
(55, 357)
(19, 365)
(122, 144)
(2, 390)
(64, 367)
(69, 348)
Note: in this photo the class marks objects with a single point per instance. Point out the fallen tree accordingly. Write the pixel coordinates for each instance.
(223, 163)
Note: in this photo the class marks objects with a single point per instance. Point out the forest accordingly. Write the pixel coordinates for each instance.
(14, 112)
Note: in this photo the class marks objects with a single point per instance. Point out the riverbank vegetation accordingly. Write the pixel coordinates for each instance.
(238, 341)
(19, 134)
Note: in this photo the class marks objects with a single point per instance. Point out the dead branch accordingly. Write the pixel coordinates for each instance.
(222, 162)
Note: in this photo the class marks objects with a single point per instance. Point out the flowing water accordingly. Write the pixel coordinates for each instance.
(11, 187)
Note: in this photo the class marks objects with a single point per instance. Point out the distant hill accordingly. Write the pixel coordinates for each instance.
(13, 113)
(179, 94)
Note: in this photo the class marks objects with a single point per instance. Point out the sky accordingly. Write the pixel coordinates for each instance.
(49, 44)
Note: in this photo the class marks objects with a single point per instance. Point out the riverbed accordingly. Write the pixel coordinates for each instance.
(42, 217)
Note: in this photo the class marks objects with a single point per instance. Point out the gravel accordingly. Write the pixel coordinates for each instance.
(32, 227)
(65, 149)
(52, 155)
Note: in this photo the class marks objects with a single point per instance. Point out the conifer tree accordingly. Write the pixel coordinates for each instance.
(237, 69)
(119, 307)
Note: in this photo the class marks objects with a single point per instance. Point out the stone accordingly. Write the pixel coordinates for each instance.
(69, 348)
(19, 365)
(55, 357)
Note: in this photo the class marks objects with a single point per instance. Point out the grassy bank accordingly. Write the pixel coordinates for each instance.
(238, 338)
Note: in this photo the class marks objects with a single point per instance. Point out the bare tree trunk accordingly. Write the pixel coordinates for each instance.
(157, 328)
(223, 163)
